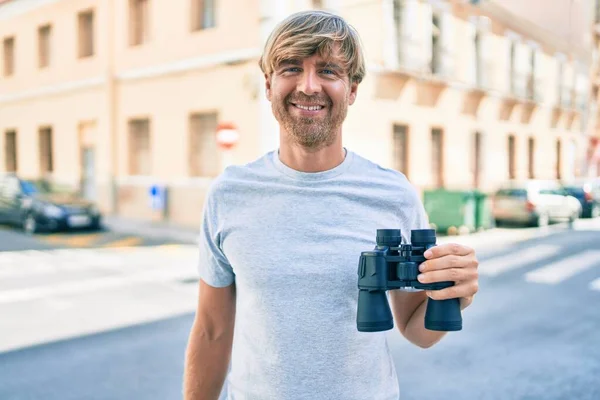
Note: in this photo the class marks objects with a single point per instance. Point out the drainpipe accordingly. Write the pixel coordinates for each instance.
(271, 13)
(111, 91)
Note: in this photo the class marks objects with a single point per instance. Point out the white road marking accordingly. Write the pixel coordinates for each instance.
(126, 267)
(565, 268)
(512, 261)
(595, 284)
(85, 286)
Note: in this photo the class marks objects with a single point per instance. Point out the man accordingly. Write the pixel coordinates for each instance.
(281, 238)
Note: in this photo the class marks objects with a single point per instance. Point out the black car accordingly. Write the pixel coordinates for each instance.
(35, 205)
(587, 191)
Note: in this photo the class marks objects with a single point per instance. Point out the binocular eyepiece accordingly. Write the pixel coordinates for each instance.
(393, 265)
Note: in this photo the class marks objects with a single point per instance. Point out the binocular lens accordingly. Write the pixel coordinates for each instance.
(422, 236)
(389, 237)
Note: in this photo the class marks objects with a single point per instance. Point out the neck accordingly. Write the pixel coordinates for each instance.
(305, 159)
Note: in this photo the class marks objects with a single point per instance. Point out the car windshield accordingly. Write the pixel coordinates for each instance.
(575, 190)
(34, 187)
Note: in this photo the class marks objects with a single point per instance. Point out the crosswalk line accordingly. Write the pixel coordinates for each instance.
(595, 284)
(564, 268)
(512, 261)
(94, 284)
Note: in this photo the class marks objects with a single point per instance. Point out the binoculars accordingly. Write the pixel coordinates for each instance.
(393, 265)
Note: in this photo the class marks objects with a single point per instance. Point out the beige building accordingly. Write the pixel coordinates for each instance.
(116, 96)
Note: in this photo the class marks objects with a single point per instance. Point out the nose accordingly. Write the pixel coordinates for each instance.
(309, 83)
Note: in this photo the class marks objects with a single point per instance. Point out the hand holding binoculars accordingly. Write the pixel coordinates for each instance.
(393, 265)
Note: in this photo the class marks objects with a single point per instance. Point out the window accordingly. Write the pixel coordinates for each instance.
(560, 71)
(9, 56)
(10, 151)
(45, 143)
(138, 21)
(558, 159)
(204, 159)
(531, 87)
(140, 149)
(512, 167)
(44, 36)
(479, 74)
(513, 67)
(203, 14)
(477, 160)
(530, 158)
(437, 157)
(401, 148)
(435, 45)
(86, 33)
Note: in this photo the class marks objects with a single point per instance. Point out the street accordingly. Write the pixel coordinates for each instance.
(107, 317)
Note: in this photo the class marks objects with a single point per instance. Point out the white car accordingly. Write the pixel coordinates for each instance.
(534, 202)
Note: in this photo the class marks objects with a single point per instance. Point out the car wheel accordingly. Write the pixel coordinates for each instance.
(595, 213)
(574, 217)
(30, 225)
(543, 219)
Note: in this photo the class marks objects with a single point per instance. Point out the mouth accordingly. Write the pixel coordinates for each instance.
(308, 108)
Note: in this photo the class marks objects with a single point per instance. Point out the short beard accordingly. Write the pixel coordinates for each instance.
(310, 133)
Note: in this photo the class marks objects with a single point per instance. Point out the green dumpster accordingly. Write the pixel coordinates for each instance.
(483, 211)
(451, 211)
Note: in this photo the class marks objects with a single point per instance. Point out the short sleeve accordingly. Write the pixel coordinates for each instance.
(213, 266)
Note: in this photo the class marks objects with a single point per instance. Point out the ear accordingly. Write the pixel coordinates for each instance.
(353, 93)
(268, 86)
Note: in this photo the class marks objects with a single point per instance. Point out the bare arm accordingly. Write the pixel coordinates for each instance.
(409, 314)
(209, 347)
(446, 262)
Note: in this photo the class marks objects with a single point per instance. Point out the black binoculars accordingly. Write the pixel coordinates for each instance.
(393, 265)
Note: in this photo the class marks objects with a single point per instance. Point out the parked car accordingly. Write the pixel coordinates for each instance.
(534, 202)
(587, 191)
(35, 205)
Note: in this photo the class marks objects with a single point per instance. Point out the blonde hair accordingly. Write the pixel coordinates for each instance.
(307, 33)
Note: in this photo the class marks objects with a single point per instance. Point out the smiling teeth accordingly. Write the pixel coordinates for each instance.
(309, 108)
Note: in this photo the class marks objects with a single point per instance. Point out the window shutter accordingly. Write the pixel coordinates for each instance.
(425, 48)
(568, 80)
(472, 66)
(409, 34)
(447, 43)
(522, 69)
(538, 77)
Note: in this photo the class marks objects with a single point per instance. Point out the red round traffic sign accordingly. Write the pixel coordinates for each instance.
(227, 135)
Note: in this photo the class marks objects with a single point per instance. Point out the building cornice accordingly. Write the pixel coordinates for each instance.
(13, 8)
(534, 32)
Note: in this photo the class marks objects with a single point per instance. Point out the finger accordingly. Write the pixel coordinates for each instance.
(453, 292)
(450, 274)
(447, 249)
(450, 261)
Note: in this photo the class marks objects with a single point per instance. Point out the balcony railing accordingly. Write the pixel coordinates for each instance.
(535, 89)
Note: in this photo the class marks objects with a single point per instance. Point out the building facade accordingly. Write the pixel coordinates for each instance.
(118, 96)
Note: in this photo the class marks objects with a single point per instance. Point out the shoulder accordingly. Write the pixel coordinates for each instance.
(374, 171)
(235, 177)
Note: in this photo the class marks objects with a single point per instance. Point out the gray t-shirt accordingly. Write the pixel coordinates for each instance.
(291, 241)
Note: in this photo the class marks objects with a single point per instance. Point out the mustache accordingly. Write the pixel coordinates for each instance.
(302, 98)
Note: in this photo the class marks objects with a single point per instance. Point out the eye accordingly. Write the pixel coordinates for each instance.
(291, 69)
(328, 72)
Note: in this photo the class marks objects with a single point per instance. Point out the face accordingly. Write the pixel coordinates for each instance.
(310, 99)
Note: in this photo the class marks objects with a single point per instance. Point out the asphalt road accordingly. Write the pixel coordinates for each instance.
(112, 322)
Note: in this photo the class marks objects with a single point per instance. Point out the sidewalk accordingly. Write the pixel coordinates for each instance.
(492, 239)
(155, 230)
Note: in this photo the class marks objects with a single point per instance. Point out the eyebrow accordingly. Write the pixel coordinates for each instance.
(329, 64)
(290, 61)
(320, 64)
